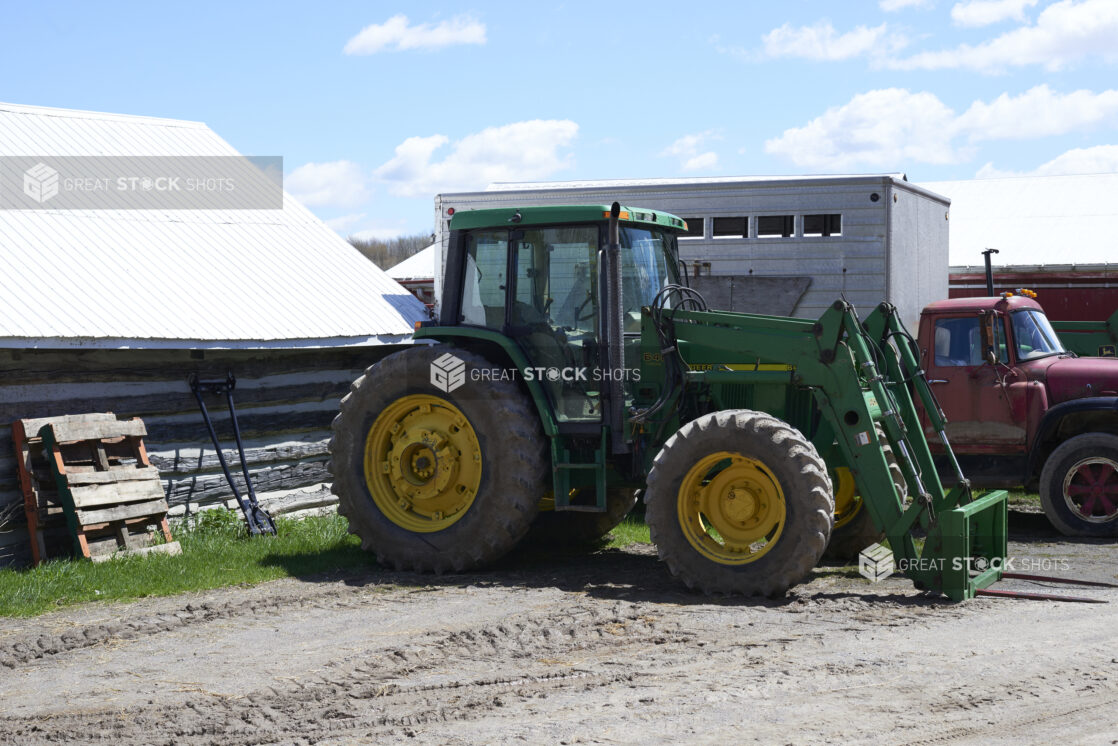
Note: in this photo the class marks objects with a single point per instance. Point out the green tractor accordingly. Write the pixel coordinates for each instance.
(571, 368)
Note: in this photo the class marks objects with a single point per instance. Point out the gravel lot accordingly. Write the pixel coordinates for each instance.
(583, 648)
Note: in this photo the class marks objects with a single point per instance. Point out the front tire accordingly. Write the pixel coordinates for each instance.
(739, 502)
(1079, 486)
(434, 481)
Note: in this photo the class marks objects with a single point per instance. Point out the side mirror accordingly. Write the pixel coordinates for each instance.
(990, 353)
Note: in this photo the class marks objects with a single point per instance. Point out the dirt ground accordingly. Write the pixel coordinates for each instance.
(571, 649)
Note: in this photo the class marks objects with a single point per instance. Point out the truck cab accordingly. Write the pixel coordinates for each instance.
(1023, 410)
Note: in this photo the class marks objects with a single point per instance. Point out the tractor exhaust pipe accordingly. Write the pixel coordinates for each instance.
(613, 312)
(989, 272)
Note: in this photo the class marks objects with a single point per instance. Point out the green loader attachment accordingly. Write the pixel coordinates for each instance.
(861, 378)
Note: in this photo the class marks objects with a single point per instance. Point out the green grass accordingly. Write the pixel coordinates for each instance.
(1029, 501)
(631, 530)
(216, 552)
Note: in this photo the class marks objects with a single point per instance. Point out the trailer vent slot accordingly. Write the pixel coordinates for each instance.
(694, 228)
(775, 225)
(731, 227)
(823, 225)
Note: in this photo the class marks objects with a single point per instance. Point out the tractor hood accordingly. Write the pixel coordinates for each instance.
(1076, 378)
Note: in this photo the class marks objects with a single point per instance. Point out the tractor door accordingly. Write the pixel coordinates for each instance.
(553, 314)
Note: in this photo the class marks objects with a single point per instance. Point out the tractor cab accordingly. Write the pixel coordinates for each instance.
(536, 283)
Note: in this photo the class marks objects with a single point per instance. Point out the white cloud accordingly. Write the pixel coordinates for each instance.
(1037, 112)
(687, 149)
(822, 42)
(397, 35)
(1100, 159)
(893, 127)
(889, 128)
(1064, 33)
(337, 183)
(515, 152)
(986, 12)
(701, 162)
(889, 6)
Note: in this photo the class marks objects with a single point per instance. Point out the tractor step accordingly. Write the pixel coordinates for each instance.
(565, 466)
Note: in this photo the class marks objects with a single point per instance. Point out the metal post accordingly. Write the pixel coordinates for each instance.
(989, 272)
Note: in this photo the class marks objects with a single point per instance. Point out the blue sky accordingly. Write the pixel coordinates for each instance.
(376, 107)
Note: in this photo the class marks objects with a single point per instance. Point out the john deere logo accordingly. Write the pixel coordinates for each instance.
(40, 182)
(875, 563)
(448, 373)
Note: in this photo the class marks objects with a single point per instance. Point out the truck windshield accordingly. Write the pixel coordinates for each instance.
(647, 265)
(1033, 335)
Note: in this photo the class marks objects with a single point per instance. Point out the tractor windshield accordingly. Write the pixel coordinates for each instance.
(1034, 335)
(647, 265)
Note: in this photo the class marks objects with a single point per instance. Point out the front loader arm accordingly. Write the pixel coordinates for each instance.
(859, 385)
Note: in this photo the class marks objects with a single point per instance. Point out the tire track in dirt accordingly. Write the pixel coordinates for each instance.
(1024, 726)
(24, 649)
(393, 688)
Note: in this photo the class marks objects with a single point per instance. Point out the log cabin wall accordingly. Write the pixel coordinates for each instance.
(286, 400)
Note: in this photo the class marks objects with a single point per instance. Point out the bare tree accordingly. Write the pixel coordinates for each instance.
(389, 253)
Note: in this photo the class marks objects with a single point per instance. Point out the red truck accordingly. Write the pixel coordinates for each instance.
(1022, 410)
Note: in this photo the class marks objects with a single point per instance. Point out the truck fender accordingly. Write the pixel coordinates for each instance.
(1045, 439)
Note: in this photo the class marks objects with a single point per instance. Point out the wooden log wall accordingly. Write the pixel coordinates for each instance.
(286, 400)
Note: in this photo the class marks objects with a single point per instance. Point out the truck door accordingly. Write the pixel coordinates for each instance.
(971, 391)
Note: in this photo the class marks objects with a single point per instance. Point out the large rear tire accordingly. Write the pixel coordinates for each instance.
(739, 502)
(1079, 485)
(435, 481)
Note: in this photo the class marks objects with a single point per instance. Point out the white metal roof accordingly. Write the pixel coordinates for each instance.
(170, 278)
(419, 266)
(1033, 220)
(513, 186)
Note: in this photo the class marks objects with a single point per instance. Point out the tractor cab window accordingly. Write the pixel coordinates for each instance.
(645, 269)
(1034, 335)
(958, 342)
(483, 290)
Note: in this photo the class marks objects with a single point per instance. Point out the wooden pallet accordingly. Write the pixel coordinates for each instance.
(91, 474)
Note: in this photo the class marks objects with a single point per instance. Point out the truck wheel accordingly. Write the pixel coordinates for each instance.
(432, 480)
(574, 528)
(739, 502)
(1079, 485)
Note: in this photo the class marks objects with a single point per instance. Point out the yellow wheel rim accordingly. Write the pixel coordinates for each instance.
(422, 463)
(847, 504)
(731, 508)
